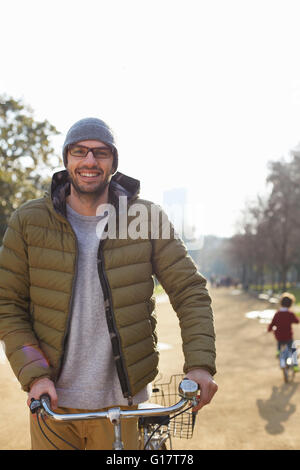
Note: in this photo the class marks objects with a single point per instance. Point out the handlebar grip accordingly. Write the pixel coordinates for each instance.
(47, 399)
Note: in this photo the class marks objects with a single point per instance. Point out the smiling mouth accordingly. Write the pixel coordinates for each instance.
(89, 174)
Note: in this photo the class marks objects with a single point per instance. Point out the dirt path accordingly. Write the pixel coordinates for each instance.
(253, 409)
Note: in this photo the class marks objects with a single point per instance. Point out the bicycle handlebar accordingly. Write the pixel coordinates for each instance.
(187, 390)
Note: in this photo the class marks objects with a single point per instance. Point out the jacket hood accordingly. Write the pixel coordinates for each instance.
(120, 185)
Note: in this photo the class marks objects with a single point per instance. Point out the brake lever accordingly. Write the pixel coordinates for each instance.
(35, 405)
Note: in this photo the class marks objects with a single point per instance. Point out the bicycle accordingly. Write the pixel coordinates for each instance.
(287, 362)
(154, 419)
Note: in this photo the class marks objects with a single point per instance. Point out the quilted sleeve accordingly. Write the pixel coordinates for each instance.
(21, 344)
(189, 297)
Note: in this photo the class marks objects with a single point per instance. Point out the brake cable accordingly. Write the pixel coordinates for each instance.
(53, 432)
(45, 435)
(35, 406)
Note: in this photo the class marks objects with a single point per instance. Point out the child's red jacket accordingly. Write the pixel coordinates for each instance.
(283, 320)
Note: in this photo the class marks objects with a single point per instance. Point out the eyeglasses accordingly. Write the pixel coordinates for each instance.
(80, 151)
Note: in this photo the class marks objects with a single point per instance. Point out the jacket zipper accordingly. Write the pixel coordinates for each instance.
(64, 342)
(113, 331)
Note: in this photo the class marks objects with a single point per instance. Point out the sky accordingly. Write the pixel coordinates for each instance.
(200, 94)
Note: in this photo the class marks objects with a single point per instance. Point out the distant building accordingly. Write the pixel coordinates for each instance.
(174, 203)
(175, 196)
(296, 151)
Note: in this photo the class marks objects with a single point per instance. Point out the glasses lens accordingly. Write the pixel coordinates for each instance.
(78, 151)
(101, 153)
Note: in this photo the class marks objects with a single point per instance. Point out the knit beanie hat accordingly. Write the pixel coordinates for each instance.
(90, 129)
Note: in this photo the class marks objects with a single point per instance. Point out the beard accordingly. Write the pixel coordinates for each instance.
(86, 190)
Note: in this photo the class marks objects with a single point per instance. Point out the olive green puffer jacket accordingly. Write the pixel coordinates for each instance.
(37, 271)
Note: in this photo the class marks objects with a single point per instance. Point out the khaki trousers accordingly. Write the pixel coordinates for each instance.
(94, 434)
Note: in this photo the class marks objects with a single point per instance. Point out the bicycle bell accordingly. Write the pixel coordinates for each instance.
(188, 389)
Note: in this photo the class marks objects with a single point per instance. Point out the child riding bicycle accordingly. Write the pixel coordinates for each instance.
(281, 325)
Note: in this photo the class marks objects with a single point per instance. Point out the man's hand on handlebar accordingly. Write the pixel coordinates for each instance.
(207, 385)
(41, 387)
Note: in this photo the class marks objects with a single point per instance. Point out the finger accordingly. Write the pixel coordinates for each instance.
(202, 400)
(195, 409)
(206, 395)
(54, 404)
(53, 399)
(29, 400)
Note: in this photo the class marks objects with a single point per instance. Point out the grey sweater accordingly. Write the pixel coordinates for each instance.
(89, 378)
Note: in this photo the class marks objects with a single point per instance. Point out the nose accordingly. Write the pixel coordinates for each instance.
(90, 159)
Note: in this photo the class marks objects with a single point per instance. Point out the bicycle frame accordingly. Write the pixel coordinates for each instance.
(286, 362)
(187, 390)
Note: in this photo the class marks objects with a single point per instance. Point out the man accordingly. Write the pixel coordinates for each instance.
(77, 314)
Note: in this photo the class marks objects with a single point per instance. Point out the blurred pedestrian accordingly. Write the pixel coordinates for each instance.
(281, 325)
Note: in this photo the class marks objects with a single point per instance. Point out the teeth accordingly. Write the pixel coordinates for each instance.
(89, 174)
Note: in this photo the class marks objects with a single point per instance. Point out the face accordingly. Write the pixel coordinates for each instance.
(89, 175)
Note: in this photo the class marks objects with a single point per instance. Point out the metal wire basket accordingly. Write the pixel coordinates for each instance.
(166, 394)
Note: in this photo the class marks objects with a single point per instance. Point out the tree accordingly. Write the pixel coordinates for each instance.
(26, 156)
(268, 238)
(282, 214)
(248, 246)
